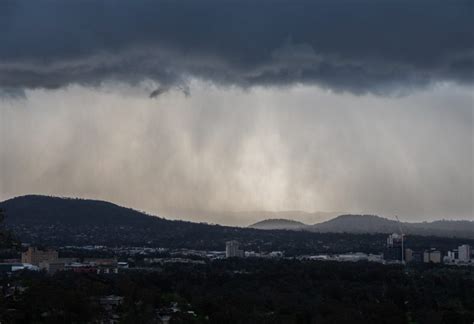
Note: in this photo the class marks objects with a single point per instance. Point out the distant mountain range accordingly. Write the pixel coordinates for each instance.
(66, 220)
(237, 218)
(374, 224)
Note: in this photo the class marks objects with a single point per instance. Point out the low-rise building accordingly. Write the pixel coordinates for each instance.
(432, 256)
(276, 254)
(12, 267)
(51, 267)
(122, 265)
(34, 256)
(413, 256)
(101, 261)
(452, 257)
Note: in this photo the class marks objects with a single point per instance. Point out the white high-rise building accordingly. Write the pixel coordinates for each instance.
(464, 253)
(232, 250)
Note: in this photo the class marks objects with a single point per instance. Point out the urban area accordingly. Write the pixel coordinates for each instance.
(139, 258)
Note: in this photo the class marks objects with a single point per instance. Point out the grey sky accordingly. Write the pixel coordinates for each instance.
(231, 105)
(227, 149)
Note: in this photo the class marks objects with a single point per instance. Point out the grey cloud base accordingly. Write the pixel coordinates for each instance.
(352, 45)
(228, 149)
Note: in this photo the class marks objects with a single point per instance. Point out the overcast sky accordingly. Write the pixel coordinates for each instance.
(350, 105)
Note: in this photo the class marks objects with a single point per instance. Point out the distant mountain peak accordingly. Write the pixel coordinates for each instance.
(367, 223)
(358, 216)
(278, 223)
(73, 211)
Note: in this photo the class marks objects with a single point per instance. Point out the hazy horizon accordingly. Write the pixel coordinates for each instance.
(244, 218)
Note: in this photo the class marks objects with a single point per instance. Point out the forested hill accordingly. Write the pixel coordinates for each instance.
(272, 224)
(36, 209)
(65, 221)
(376, 224)
(62, 221)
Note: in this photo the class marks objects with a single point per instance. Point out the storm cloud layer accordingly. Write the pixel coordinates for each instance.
(347, 45)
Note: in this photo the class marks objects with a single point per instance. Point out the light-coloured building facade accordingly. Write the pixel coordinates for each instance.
(432, 256)
(408, 255)
(464, 252)
(35, 256)
(232, 250)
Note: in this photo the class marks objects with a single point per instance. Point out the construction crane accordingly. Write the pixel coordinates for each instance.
(401, 232)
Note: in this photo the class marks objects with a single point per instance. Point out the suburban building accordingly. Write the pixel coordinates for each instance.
(451, 257)
(393, 250)
(413, 256)
(51, 267)
(35, 256)
(432, 256)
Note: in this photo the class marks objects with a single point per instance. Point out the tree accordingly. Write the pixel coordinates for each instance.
(7, 239)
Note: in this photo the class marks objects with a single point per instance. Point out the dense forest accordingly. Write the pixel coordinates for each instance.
(251, 291)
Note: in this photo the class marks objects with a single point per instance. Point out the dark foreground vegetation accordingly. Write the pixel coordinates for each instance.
(249, 291)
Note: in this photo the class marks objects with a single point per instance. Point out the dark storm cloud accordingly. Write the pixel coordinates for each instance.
(354, 45)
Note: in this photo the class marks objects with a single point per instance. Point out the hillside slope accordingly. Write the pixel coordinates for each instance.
(36, 209)
(359, 224)
(376, 224)
(281, 224)
(55, 220)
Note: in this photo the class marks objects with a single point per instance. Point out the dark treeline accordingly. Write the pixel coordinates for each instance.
(206, 237)
(253, 291)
